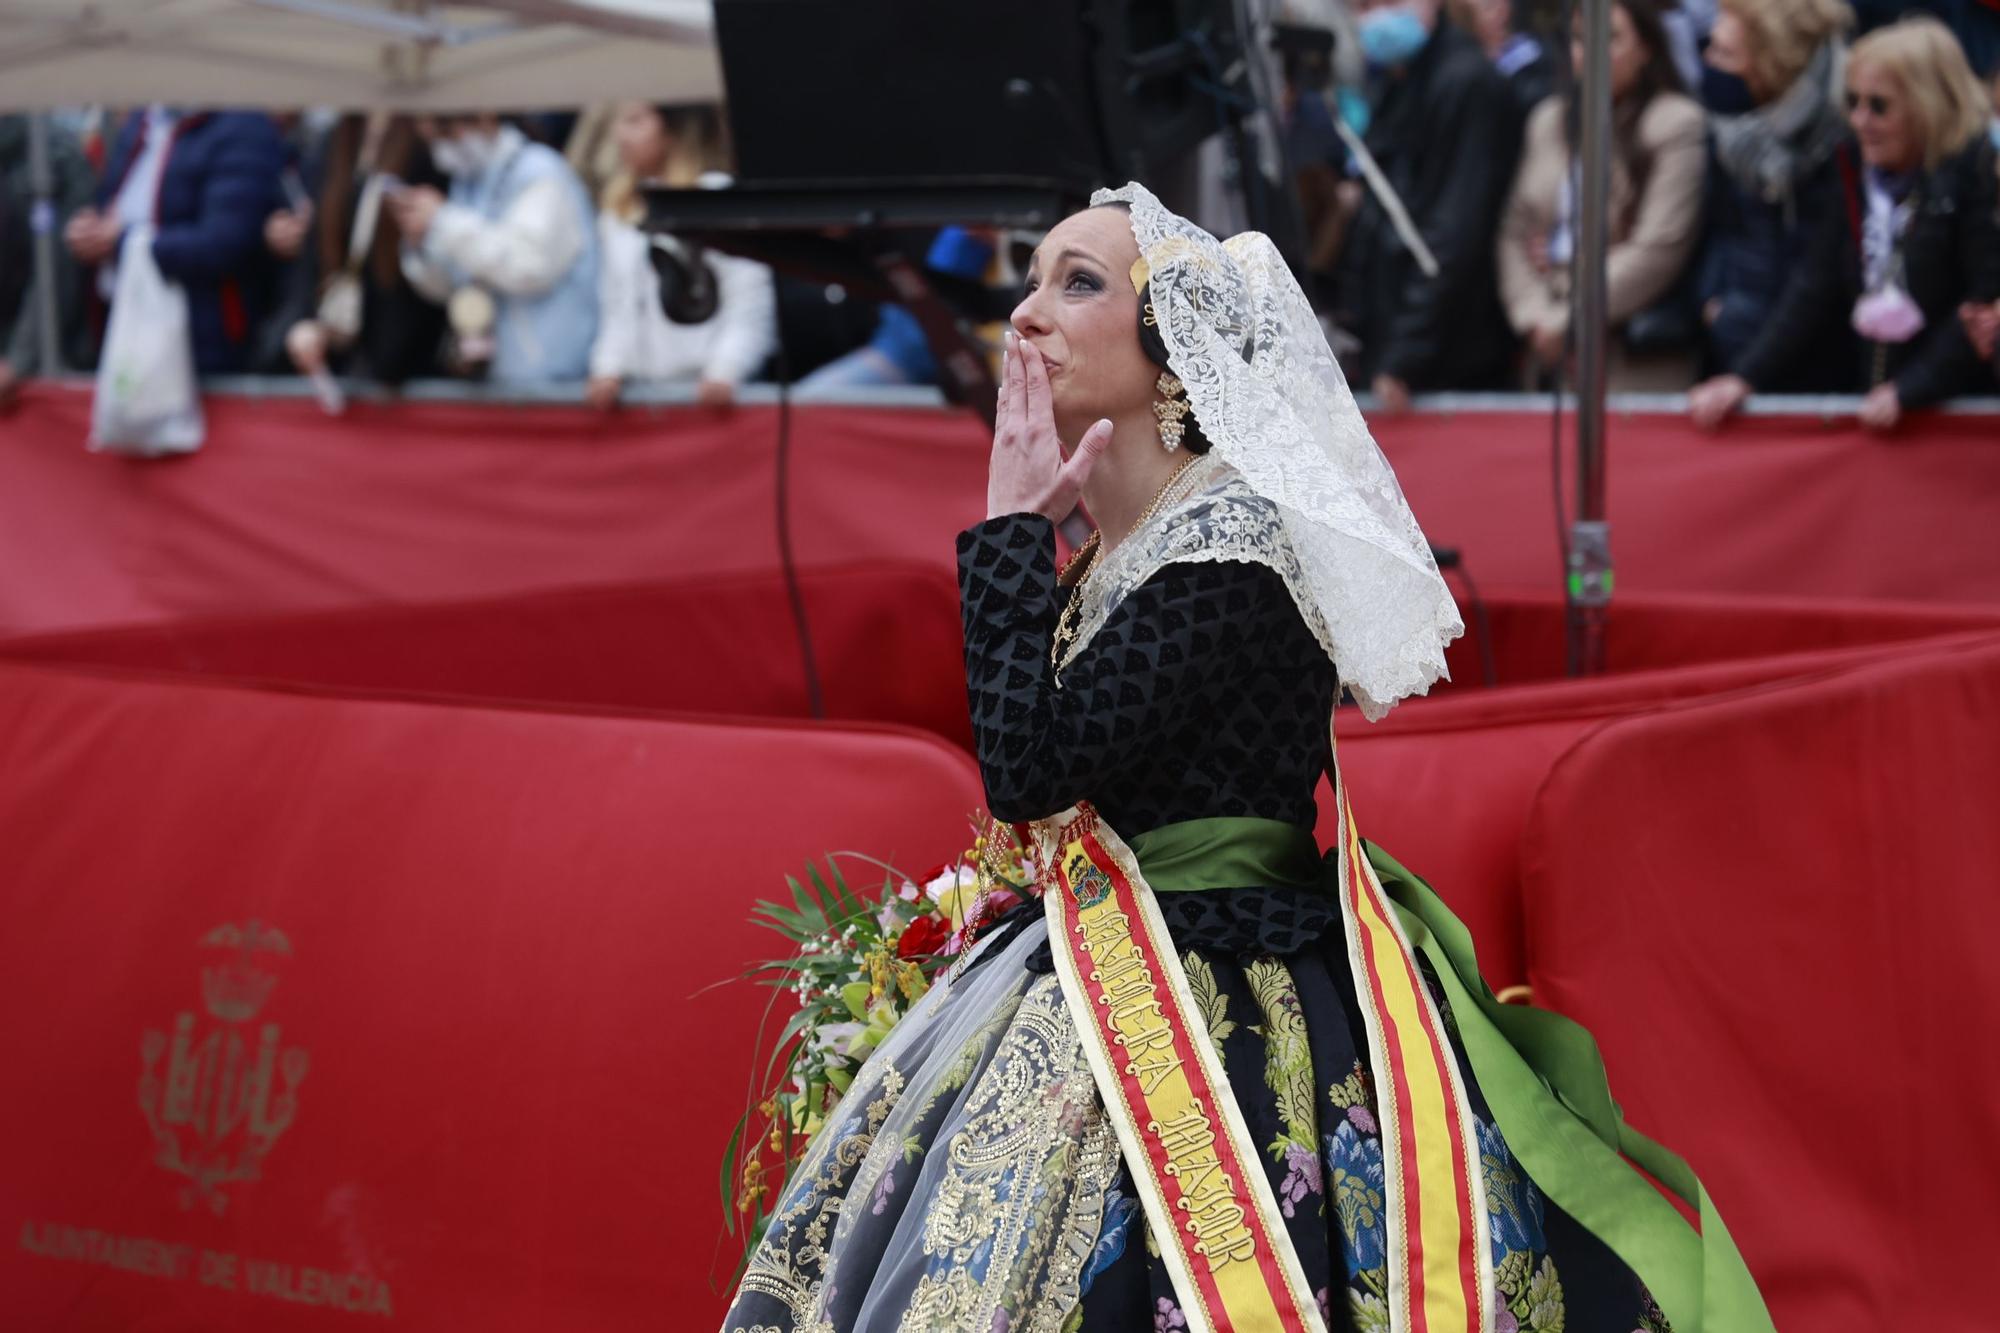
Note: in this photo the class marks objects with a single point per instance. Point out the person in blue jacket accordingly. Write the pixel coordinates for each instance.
(205, 183)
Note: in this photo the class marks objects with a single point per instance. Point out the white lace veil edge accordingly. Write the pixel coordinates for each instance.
(1276, 409)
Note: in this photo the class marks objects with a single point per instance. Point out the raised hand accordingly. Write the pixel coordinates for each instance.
(1028, 473)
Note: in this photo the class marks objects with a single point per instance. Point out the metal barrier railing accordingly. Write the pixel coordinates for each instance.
(1824, 407)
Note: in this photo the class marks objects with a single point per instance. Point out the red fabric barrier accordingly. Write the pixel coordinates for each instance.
(886, 644)
(1775, 908)
(496, 1088)
(1445, 781)
(1780, 506)
(1651, 631)
(1448, 784)
(287, 509)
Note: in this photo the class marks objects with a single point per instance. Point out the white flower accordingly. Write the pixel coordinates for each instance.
(834, 1037)
(956, 877)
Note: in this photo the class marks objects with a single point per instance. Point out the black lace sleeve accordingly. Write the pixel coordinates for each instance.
(1161, 661)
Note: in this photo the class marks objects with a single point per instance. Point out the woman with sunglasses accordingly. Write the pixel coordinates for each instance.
(1916, 236)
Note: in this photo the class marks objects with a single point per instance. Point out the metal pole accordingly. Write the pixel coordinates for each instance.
(43, 220)
(1590, 576)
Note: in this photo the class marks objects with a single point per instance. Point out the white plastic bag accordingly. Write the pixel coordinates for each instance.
(147, 402)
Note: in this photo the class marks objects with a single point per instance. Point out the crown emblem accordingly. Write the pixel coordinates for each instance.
(236, 990)
(216, 1097)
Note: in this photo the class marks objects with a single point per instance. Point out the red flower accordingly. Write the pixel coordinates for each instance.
(923, 937)
(998, 902)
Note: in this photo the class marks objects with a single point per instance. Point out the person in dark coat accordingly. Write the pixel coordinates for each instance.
(1773, 83)
(1516, 52)
(1916, 237)
(205, 183)
(1445, 131)
(400, 333)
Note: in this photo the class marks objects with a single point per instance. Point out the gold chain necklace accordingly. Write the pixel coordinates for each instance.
(1093, 551)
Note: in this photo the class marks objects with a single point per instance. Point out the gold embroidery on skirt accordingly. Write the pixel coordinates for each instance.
(792, 1272)
(1023, 1184)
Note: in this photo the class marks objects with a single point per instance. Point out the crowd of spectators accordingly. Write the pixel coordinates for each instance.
(1789, 210)
(1792, 208)
(389, 247)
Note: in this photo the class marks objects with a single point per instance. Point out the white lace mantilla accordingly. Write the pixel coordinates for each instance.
(1304, 488)
(1211, 514)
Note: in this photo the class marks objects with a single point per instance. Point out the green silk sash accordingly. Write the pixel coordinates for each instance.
(1541, 1075)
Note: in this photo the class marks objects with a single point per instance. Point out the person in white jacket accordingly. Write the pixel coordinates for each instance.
(515, 231)
(635, 339)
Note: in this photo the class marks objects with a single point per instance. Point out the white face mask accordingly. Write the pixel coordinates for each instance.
(466, 155)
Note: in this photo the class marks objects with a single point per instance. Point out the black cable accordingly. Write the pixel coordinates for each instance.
(815, 702)
(1449, 560)
(1482, 628)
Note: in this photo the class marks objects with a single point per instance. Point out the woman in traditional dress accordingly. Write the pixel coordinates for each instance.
(1213, 1079)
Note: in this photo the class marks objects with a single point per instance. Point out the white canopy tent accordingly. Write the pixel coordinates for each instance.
(409, 55)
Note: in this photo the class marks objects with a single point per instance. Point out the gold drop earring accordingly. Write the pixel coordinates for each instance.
(1170, 407)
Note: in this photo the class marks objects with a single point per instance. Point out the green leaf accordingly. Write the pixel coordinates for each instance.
(729, 1173)
(787, 923)
(853, 904)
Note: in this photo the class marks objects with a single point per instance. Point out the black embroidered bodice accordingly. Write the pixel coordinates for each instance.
(1202, 694)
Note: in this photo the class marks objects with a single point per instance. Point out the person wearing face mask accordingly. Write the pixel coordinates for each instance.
(512, 251)
(1445, 131)
(1916, 237)
(1773, 86)
(1657, 161)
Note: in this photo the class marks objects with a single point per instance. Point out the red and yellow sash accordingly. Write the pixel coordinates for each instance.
(1440, 1266)
(1199, 1174)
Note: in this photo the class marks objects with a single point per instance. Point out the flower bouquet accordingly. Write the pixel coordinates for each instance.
(857, 964)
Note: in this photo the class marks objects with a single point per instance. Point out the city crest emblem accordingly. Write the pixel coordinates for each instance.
(1087, 883)
(228, 1087)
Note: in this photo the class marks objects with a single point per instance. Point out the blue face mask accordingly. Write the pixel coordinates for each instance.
(1391, 37)
(1993, 132)
(1725, 94)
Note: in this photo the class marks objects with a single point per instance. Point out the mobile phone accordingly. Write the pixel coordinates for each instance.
(295, 190)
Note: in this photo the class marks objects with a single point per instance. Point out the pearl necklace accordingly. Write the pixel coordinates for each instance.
(1093, 551)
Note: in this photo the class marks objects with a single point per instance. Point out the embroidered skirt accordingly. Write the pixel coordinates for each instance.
(971, 1180)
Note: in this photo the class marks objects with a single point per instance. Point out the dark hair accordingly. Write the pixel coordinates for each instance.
(1155, 347)
(1659, 75)
(401, 154)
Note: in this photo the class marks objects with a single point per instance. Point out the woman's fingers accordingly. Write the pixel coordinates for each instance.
(1040, 417)
(1088, 450)
(1017, 385)
(1002, 416)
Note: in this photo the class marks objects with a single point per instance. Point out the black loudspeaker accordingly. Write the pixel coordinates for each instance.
(1069, 93)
